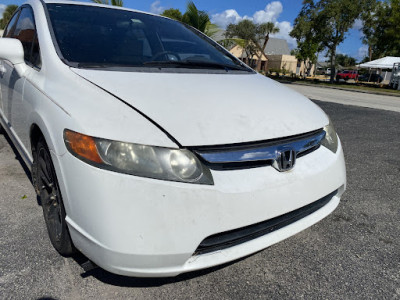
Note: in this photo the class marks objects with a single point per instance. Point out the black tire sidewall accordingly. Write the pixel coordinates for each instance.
(64, 246)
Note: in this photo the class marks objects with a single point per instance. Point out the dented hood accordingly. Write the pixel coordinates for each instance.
(213, 109)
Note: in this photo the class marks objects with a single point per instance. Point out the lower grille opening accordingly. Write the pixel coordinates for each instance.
(238, 236)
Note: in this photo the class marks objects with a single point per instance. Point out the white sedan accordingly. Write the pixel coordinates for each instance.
(153, 150)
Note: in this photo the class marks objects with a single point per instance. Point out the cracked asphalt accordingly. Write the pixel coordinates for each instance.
(352, 254)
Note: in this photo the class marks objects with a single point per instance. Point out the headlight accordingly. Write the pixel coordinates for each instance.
(331, 139)
(139, 160)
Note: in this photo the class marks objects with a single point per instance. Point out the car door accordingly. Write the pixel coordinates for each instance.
(18, 106)
(6, 70)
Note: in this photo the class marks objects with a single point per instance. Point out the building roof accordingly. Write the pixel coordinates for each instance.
(277, 47)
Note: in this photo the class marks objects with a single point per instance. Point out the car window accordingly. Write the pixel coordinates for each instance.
(95, 36)
(25, 31)
(10, 27)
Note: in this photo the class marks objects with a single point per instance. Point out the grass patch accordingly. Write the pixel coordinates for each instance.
(372, 88)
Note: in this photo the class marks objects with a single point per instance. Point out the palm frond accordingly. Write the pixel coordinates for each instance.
(101, 1)
(117, 2)
(107, 2)
(196, 18)
(211, 29)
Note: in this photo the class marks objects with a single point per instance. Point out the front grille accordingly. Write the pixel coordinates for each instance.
(235, 237)
(257, 154)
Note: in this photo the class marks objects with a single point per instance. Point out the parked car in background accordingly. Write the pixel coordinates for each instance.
(347, 74)
(395, 79)
(371, 78)
(153, 150)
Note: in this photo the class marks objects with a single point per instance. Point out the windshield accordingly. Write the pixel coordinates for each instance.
(97, 37)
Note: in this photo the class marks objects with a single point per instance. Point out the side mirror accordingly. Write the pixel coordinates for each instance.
(12, 51)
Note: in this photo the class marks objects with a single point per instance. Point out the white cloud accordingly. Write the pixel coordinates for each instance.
(225, 18)
(284, 29)
(2, 8)
(271, 13)
(323, 56)
(358, 24)
(362, 52)
(156, 8)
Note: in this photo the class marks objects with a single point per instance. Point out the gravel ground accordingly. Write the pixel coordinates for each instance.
(352, 254)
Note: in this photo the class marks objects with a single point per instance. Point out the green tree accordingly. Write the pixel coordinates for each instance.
(107, 2)
(211, 29)
(263, 32)
(345, 60)
(306, 35)
(243, 34)
(7, 14)
(193, 17)
(254, 37)
(381, 28)
(198, 19)
(173, 13)
(369, 17)
(331, 20)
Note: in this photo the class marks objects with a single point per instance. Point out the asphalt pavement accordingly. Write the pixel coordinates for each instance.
(346, 97)
(352, 254)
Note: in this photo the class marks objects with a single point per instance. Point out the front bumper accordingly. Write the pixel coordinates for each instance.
(143, 227)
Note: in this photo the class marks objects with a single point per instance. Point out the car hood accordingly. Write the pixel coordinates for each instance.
(213, 109)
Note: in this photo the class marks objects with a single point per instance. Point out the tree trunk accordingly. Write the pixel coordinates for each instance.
(370, 53)
(309, 67)
(333, 63)
(265, 43)
(262, 50)
(259, 60)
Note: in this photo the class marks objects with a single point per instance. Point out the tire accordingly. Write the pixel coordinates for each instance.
(51, 200)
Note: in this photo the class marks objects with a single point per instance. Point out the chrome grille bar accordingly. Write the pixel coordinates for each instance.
(268, 152)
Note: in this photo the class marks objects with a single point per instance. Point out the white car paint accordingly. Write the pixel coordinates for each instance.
(145, 227)
(207, 101)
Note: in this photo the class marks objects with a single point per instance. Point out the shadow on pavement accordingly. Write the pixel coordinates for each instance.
(125, 281)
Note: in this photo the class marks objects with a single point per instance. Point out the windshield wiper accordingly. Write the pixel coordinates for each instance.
(194, 64)
(103, 65)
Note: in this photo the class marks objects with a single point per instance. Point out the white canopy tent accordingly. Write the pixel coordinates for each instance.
(382, 63)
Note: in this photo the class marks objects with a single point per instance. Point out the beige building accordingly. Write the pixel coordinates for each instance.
(283, 62)
(277, 56)
(241, 54)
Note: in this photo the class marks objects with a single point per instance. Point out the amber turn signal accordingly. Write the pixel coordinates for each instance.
(82, 145)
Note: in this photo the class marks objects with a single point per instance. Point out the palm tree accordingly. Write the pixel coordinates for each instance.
(198, 19)
(107, 2)
(263, 32)
(211, 29)
(7, 15)
(253, 36)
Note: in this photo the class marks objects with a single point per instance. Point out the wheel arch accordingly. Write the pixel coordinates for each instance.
(37, 130)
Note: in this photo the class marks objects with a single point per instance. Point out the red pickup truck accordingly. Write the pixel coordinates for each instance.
(347, 74)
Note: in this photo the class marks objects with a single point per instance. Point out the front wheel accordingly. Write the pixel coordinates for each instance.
(51, 200)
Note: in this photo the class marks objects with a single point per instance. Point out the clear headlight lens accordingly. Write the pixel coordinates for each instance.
(139, 160)
(331, 140)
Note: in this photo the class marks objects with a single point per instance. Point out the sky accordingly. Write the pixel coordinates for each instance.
(223, 12)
